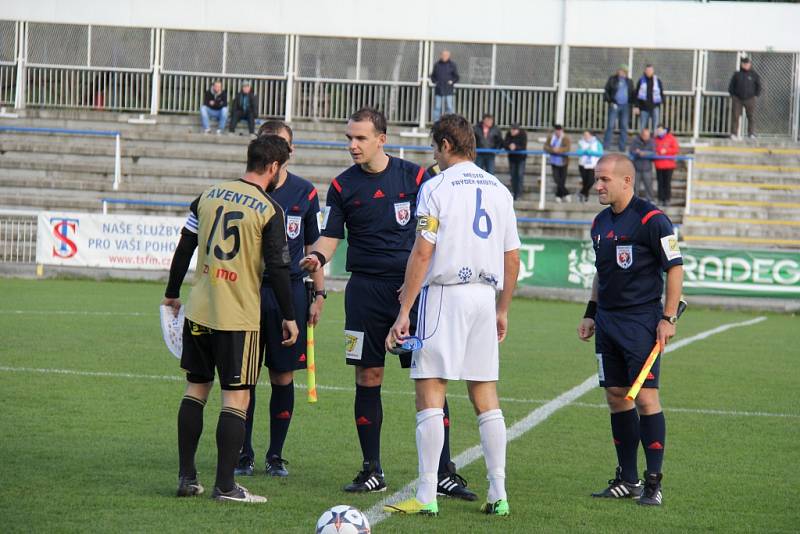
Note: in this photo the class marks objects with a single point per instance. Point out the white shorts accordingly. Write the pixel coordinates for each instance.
(458, 328)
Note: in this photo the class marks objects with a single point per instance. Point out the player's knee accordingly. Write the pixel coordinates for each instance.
(615, 397)
(278, 378)
(648, 402)
(369, 376)
(238, 397)
(197, 388)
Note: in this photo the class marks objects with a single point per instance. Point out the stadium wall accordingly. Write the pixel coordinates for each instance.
(614, 23)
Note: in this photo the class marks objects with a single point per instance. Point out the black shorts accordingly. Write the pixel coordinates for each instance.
(371, 307)
(276, 356)
(623, 341)
(234, 354)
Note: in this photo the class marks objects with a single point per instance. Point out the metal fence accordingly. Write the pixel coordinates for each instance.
(17, 238)
(327, 78)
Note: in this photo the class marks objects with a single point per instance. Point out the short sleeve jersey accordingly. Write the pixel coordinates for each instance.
(230, 220)
(378, 211)
(469, 216)
(633, 248)
(300, 202)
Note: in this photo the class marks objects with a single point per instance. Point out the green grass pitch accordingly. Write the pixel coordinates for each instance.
(90, 396)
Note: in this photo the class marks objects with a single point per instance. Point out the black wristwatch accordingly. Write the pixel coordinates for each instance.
(320, 293)
(671, 319)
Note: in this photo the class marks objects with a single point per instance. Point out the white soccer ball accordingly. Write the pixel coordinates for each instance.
(343, 519)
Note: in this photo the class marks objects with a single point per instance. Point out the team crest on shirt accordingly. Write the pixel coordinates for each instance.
(402, 212)
(624, 256)
(293, 226)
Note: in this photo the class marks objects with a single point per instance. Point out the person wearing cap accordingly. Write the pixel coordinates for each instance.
(744, 88)
(619, 96)
(516, 141)
(245, 107)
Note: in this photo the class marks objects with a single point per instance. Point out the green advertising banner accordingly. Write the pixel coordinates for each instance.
(569, 263)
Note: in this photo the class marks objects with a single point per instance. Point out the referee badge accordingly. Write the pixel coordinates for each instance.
(624, 256)
(293, 226)
(402, 212)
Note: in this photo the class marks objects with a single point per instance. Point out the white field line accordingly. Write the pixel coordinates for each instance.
(180, 378)
(537, 416)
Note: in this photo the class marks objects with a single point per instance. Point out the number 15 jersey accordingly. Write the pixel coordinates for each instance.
(469, 216)
(239, 229)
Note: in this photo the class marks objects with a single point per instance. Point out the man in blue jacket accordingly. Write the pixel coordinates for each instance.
(445, 76)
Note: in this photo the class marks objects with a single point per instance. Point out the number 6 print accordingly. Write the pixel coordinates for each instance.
(481, 213)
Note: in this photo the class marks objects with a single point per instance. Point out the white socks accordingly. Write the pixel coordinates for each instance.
(492, 427)
(430, 440)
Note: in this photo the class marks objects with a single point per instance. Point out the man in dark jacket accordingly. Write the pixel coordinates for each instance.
(245, 107)
(516, 140)
(745, 86)
(642, 151)
(619, 96)
(445, 76)
(649, 96)
(487, 135)
(215, 105)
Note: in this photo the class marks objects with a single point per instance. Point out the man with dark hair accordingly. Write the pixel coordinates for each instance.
(516, 141)
(487, 136)
(634, 243)
(744, 88)
(375, 199)
(242, 233)
(300, 203)
(466, 252)
(444, 76)
(556, 144)
(245, 107)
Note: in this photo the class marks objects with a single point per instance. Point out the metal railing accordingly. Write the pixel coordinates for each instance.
(88, 88)
(8, 83)
(337, 100)
(182, 92)
(17, 236)
(63, 131)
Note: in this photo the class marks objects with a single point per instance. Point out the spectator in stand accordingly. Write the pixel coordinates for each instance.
(444, 76)
(590, 150)
(642, 151)
(516, 140)
(666, 145)
(619, 95)
(744, 88)
(487, 135)
(556, 144)
(215, 105)
(649, 96)
(245, 107)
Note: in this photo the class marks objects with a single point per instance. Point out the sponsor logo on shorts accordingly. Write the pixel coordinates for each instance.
(293, 223)
(601, 375)
(353, 344)
(402, 212)
(624, 256)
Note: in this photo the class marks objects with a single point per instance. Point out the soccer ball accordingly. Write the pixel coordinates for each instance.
(343, 519)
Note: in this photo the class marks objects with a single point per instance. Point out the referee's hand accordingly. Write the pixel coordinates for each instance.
(398, 332)
(310, 263)
(586, 329)
(290, 332)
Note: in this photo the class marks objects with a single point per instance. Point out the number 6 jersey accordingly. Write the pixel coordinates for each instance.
(469, 216)
(240, 231)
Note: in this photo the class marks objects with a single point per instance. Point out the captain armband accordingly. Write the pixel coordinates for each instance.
(427, 223)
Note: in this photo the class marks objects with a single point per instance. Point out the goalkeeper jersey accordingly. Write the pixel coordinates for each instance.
(239, 228)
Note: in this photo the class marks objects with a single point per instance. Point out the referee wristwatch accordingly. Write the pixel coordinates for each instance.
(321, 293)
(671, 319)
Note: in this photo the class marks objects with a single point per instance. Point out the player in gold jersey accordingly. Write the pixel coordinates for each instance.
(239, 233)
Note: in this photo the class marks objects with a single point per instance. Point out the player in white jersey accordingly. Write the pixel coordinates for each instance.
(466, 251)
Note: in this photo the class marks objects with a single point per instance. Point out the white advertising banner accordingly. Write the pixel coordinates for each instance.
(107, 241)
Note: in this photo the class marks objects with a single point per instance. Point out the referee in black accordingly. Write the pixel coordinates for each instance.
(634, 244)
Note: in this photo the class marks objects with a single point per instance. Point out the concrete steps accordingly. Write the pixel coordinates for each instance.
(747, 194)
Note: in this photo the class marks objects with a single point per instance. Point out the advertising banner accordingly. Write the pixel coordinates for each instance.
(107, 241)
